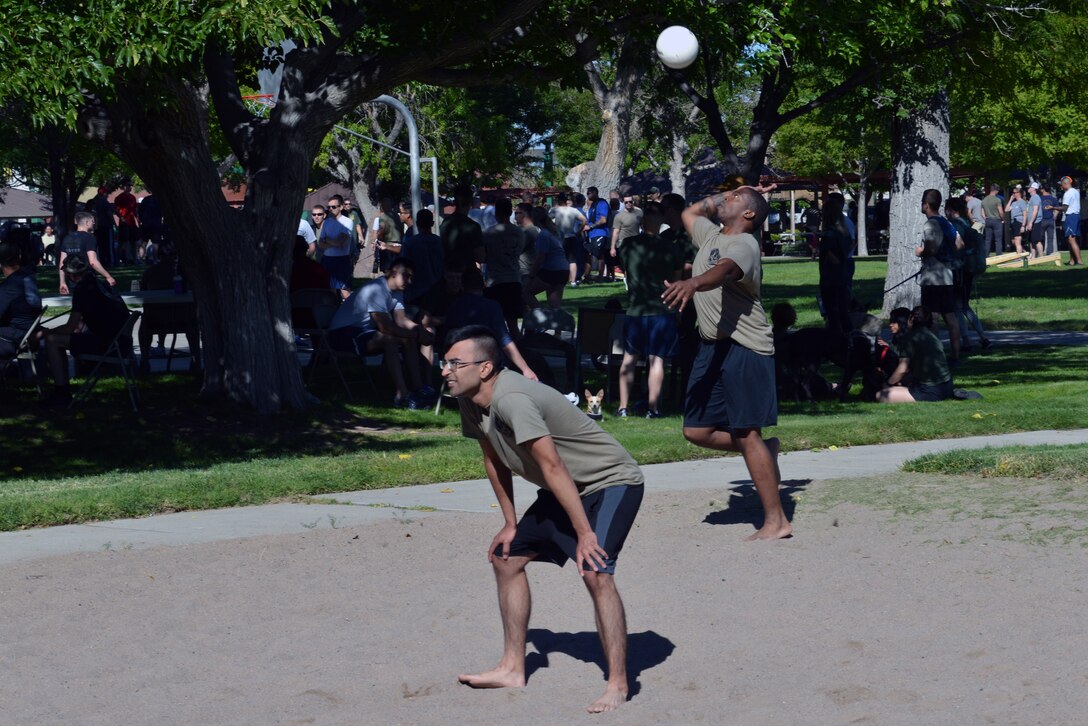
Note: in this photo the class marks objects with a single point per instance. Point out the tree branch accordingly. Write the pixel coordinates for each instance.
(239, 125)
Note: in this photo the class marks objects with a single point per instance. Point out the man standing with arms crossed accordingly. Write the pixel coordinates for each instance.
(731, 393)
(590, 492)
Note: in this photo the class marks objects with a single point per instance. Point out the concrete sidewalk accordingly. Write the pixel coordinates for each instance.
(355, 508)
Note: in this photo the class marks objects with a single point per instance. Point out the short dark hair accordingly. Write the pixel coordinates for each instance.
(579, 199)
(503, 209)
(757, 204)
(932, 198)
(82, 217)
(593, 189)
(425, 219)
(484, 340)
(472, 279)
(783, 315)
(10, 254)
(526, 209)
(317, 207)
(462, 195)
(900, 316)
(561, 198)
(653, 209)
(673, 202)
(337, 198)
(957, 205)
(400, 263)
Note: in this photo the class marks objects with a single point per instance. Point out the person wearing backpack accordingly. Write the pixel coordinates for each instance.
(972, 264)
(938, 251)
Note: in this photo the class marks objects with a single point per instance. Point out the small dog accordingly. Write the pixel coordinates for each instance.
(593, 404)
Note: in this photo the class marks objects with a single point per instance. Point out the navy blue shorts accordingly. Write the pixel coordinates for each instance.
(1071, 225)
(927, 392)
(730, 388)
(650, 335)
(546, 534)
(339, 269)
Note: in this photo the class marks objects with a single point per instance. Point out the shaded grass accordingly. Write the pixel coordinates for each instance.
(1054, 462)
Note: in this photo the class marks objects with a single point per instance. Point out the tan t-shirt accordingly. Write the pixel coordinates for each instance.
(734, 310)
(627, 223)
(523, 410)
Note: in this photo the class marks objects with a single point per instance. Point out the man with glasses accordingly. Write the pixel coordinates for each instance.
(335, 246)
(590, 492)
(317, 220)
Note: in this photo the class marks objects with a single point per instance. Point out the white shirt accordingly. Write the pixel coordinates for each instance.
(306, 232)
(1071, 199)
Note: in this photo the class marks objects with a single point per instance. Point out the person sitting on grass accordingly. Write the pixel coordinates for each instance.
(98, 314)
(373, 320)
(921, 355)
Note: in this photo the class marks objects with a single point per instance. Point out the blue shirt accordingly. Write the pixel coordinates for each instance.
(597, 211)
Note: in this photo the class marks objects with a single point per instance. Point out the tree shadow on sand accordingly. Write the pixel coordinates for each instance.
(743, 505)
(644, 651)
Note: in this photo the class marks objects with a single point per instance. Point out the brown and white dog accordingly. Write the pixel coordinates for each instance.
(593, 404)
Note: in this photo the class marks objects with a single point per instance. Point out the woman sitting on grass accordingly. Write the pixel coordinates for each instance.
(921, 356)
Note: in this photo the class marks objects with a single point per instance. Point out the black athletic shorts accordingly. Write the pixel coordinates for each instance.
(508, 296)
(546, 532)
(939, 298)
(730, 388)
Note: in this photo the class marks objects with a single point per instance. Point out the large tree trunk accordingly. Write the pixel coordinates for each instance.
(863, 221)
(237, 261)
(920, 161)
(677, 176)
(615, 102)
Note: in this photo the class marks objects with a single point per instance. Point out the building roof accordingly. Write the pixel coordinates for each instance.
(21, 204)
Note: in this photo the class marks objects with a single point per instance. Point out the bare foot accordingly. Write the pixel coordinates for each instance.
(771, 531)
(498, 678)
(610, 700)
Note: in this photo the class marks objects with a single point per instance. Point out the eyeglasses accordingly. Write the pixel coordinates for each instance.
(456, 365)
(318, 214)
(334, 206)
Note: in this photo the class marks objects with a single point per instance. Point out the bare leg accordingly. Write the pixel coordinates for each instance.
(953, 333)
(515, 604)
(762, 467)
(655, 379)
(612, 629)
(895, 394)
(1074, 251)
(627, 378)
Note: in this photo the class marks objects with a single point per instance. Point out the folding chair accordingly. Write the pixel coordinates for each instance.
(24, 351)
(321, 305)
(114, 355)
(169, 318)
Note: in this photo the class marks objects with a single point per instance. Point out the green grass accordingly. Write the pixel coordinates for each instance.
(1037, 298)
(179, 453)
(1054, 462)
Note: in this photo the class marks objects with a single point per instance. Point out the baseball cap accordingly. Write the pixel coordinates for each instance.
(1035, 185)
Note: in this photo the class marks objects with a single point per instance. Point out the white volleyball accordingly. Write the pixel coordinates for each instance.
(677, 47)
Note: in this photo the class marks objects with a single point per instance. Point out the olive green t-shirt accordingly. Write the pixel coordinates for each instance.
(734, 310)
(523, 411)
(928, 363)
(392, 229)
(991, 206)
(649, 260)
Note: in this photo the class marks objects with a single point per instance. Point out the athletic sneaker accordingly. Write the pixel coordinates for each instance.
(621, 413)
(653, 414)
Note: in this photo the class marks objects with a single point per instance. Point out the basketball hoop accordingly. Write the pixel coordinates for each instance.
(260, 104)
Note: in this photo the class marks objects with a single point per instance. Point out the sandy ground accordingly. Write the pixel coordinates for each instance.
(859, 619)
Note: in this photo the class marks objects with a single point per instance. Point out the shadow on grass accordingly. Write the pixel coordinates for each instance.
(744, 507)
(176, 430)
(645, 650)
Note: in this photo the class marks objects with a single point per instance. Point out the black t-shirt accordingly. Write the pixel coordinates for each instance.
(79, 243)
(103, 310)
(461, 237)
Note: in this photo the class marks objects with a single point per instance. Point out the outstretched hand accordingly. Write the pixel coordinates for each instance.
(677, 294)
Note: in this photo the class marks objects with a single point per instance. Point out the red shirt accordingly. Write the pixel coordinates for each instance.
(126, 208)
